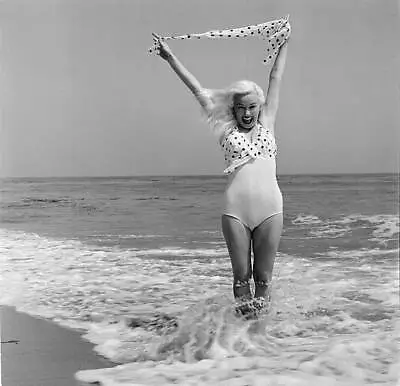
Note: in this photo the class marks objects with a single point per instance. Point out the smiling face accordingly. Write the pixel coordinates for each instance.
(246, 109)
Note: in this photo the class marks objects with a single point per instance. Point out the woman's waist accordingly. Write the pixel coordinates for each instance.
(259, 173)
(252, 189)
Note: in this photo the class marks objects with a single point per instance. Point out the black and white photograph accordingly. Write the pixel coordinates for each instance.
(200, 193)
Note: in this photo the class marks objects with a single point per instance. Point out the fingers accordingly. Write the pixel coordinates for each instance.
(157, 43)
(158, 40)
(156, 35)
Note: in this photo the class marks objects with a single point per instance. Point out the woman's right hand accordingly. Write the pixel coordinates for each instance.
(164, 51)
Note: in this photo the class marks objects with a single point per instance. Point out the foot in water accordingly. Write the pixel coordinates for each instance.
(252, 308)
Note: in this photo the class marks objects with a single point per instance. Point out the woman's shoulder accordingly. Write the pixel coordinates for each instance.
(223, 132)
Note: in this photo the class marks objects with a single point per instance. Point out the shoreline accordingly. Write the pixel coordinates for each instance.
(39, 352)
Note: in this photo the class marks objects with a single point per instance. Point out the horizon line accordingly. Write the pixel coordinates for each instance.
(196, 175)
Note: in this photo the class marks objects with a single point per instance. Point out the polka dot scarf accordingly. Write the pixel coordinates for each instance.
(276, 32)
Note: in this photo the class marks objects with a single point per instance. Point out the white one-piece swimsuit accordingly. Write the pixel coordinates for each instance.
(252, 194)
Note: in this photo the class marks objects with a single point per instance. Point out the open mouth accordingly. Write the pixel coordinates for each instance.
(247, 120)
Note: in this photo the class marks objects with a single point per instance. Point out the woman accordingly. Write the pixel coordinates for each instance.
(252, 218)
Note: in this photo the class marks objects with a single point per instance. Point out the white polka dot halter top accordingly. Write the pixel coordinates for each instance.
(239, 148)
(275, 32)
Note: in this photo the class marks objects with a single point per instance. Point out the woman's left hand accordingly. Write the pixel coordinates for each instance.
(163, 50)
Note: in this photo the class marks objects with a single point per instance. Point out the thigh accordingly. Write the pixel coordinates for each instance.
(238, 241)
(266, 237)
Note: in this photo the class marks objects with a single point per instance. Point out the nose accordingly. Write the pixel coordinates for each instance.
(247, 112)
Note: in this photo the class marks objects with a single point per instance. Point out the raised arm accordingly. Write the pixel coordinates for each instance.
(275, 78)
(188, 78)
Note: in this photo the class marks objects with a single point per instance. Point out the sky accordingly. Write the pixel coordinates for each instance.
(81, 96)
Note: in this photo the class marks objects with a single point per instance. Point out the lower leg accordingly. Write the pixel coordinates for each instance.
(238, 240)
(241, 289)
(262, 274)
(262, 289)
(266, 239)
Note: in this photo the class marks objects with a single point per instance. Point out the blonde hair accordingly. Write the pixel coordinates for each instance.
(221, 117)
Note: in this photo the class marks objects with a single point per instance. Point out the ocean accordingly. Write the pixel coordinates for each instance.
(139, 265)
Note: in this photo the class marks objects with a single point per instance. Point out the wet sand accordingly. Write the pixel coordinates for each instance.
(37, 352)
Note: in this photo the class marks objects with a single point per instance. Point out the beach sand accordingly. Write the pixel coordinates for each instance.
(37, 352)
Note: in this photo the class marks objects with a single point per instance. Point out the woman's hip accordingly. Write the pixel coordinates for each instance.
(253, 204)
